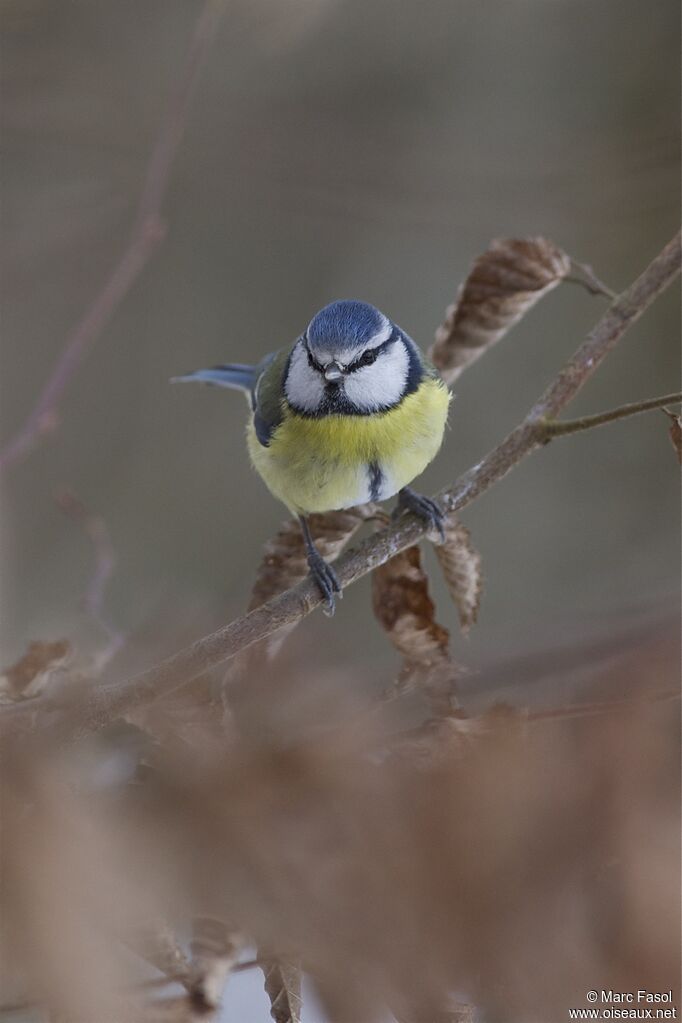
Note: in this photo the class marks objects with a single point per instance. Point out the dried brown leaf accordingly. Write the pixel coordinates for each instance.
(401, 601)
(191, 719)
(215, 948)
(503, 284)
(283, 987)
(284, 558)
(34, 669)
(675, 433)
(284, 565)
(461, 565)
(402, 605)
(159, 946)
(440, 739)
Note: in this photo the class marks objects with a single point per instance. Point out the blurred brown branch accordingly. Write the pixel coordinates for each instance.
(147, 233)
(104, 703)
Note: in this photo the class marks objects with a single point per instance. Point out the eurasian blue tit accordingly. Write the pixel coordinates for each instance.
(350, 412)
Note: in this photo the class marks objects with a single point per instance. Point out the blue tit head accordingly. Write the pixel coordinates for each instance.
(351, 360)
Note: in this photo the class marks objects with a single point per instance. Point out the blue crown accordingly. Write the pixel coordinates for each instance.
(345, 324)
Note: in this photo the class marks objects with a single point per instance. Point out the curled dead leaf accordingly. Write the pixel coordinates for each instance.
(461, 565)
(215, 949)
(283, 987)
(284, 558)
(503, 284)
(403, 606)
(675, 432)
(34, 670)
(284, 564)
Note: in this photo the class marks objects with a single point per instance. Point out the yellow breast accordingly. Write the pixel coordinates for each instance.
(316, 465)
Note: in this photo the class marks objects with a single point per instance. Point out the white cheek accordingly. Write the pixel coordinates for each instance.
(303, 387)
(381, 384)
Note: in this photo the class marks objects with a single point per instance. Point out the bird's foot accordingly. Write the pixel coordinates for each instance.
(326, 580)
(424, 508)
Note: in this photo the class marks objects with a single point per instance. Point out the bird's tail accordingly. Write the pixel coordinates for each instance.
(235, 375)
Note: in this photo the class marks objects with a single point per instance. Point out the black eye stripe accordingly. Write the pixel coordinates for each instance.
(368, 357)
(312, 361)
(371, 355)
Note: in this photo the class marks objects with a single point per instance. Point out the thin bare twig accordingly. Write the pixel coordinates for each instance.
(587, 278)
(158, 946)
(215, 948)
(581, 710)
(556, 428)
(107, 702)
(151, 983)
(147, 233)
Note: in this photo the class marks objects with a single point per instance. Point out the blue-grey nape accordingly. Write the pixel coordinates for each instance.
(346, 323)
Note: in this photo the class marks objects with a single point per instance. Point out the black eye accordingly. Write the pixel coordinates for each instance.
(368, 358)
(313, 362)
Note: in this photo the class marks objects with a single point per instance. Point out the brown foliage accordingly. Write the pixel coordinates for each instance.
(503, 284)
(403, 607)
(283, 986)
(461, 565)
(284, 558)
(545, 850)
(33, 671)
(675, 433)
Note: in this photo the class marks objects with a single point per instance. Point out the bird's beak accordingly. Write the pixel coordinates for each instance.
(333, 372)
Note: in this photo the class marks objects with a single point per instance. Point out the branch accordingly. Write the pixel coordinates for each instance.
(561, 429)
(147, 233)
(576, 710)
(104, 703)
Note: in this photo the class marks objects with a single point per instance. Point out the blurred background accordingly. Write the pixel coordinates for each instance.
(335, 149)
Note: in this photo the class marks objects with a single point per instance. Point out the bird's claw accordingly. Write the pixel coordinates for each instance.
(424, 508)
(326, 580)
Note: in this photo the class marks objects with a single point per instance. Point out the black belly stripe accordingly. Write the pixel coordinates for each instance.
(376, 478)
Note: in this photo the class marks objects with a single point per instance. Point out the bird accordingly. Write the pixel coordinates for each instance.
(350, 412)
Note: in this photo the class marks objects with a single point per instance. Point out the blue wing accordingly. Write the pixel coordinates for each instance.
(266, 409)
(234, 375)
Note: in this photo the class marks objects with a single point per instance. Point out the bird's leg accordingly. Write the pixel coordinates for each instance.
(323, 574)
(424, 508)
